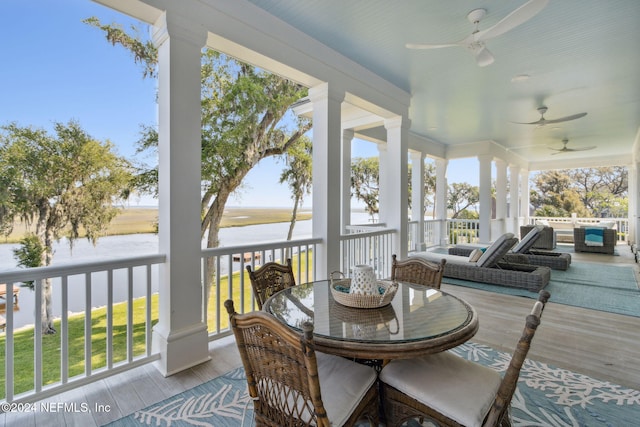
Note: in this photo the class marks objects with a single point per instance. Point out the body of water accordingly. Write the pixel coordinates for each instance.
(113, 247)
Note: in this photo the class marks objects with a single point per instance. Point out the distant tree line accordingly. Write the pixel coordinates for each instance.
(587, 192)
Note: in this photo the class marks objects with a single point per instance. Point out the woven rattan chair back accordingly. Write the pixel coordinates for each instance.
(269, 279)
(418, 270)
(282, 372)
(402, 407)
(499, 412)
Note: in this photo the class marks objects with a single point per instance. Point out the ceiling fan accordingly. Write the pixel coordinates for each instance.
(542, 121)
(565, 149)
(475, 42)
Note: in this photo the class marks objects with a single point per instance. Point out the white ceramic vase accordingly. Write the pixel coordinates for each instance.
(363, 280)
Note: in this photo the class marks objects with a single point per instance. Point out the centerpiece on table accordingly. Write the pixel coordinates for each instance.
(362, 290)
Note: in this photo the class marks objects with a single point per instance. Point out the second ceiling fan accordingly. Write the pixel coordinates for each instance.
(542, 121)
(566, 149)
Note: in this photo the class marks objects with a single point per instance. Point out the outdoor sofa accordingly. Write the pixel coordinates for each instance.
(491, 267)
(553, 260)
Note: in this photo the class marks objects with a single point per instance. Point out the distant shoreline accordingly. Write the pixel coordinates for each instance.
(143, 219)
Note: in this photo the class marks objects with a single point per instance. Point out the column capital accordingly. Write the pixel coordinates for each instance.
(347, 134)
(397, 122)
(416, 155)
(325, 91)
(485, 158)
(172, 25)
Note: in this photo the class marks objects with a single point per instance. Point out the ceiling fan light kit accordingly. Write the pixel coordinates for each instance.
(475, 42)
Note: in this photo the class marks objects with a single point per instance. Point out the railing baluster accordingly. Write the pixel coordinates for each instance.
(37, 338)
(88, 326)
(64, 331)
(149, 306)
(130, 314)
(109, 348)
(9, 347)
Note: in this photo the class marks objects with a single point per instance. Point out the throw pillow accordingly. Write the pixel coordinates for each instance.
(475, 255)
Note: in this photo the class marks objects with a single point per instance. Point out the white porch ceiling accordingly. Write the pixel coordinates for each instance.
(581, 56)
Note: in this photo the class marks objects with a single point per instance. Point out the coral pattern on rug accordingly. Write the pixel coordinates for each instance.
(546, 396)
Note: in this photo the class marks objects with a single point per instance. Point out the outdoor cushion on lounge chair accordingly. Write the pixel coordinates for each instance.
(554, 260)
(491, 268)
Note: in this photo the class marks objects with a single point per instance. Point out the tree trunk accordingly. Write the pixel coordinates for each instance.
(292, 224)
(214, 217)
(45, 234)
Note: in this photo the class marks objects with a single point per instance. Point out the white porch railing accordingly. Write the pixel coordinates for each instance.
(123, 275)
(373, 247)
(55, 357)
(230, 279)
(622, 224)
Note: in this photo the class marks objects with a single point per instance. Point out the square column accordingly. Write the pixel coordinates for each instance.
(484, 233)
(347, 137)
(397, 195)
(442, 188)
(327, 173)
(524, 195)
(501, 198)
(417, 198)
(514, 196)
(180, 336)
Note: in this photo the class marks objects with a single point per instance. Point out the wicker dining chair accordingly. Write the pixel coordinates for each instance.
(418, 270)
(292, 385)
(453, 390)
(269, 279)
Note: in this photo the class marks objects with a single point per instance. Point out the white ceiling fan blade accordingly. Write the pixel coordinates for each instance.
(537, 122)
(512, 20)
(483, 56)
(582, 149)
(429, 46)
(566, 119)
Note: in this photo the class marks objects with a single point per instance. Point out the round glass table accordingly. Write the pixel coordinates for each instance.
(420, 320)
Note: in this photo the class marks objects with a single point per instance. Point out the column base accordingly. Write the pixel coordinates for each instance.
(182, 349)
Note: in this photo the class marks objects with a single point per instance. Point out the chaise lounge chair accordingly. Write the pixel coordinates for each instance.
(553, 260)
(492, 268)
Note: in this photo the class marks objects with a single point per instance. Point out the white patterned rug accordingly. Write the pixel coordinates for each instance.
(546, 396)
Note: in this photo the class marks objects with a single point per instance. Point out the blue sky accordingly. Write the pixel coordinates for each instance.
(54, 68)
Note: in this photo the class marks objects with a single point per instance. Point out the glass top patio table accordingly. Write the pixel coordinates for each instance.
(420, 320)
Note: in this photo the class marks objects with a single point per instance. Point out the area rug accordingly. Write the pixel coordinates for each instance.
(604, 287)
(546, 396)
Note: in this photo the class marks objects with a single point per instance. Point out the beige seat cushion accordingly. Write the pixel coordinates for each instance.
(343, 384)
(457, 388)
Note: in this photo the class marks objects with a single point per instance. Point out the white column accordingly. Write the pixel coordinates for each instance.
(397, 198)
(514, 196)
(180, 336)
(634, 203)
(524, 195)
(485, 198)
(417, 198)
(441, 200)
(327, 134)
(383, 185)
(347, 137)
(501, 197)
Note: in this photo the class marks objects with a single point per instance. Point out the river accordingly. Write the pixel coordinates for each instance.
(132, 245)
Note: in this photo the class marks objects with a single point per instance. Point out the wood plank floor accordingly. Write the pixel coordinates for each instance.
(602, 345)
